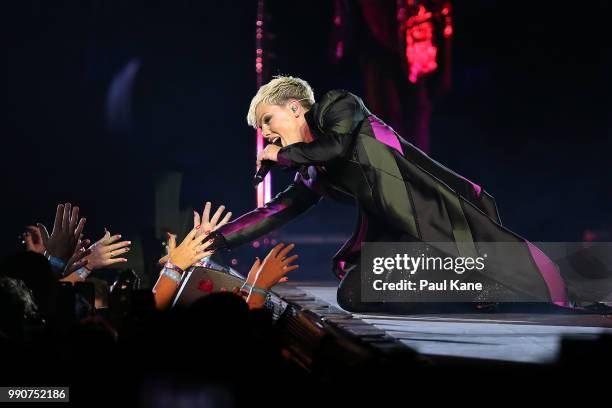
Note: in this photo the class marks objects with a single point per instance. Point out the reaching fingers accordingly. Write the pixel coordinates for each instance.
(163, 260)
(116, 252)
(256, 265)
(196, 219)
(290, 259)
(79, 227)
(198, 240)
(224, 221)
(201, 255)
(253, 271)
(290, 268)
(202, 247)
(191, 235)
(74, 217)
(43, 233)
(171, 242)
(283, 253)
(84, 244)
(113, 239)
(276, 249)
(66, 217)
(104, 238)
(217, 215)
(34, 231)
(283, 279)
(206, 213)
(118, 245)
(28, 240)
(112, 261)
(57, 224)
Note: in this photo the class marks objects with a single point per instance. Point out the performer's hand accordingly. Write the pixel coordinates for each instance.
(269, 153)
(207, 224)
(276, 265)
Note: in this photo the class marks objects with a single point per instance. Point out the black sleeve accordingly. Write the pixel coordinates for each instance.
(282, 209)
(336, 120)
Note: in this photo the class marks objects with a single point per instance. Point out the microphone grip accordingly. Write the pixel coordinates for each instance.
(263, 171)
(265, 167)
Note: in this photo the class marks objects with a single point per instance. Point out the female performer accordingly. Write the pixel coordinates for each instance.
(342, 151)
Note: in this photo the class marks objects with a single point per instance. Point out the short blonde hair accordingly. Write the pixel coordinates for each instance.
(278, 91)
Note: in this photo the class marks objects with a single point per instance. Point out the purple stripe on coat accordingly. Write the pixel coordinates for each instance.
(385, 134)
(476, 187)
(550, 273)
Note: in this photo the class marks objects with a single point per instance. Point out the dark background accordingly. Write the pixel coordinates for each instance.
(527, 115)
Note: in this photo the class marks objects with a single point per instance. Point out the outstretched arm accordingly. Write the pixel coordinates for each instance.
(283, 208)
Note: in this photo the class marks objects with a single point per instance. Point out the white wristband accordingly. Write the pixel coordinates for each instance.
(83, 272)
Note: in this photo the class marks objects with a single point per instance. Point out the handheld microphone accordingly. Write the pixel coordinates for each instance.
(265, 167)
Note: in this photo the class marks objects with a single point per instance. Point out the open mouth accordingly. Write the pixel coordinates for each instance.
(274, 141)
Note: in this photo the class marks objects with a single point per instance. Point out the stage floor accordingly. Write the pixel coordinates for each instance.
(525, 338)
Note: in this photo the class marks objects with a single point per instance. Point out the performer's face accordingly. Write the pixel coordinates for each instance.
(279, 121)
